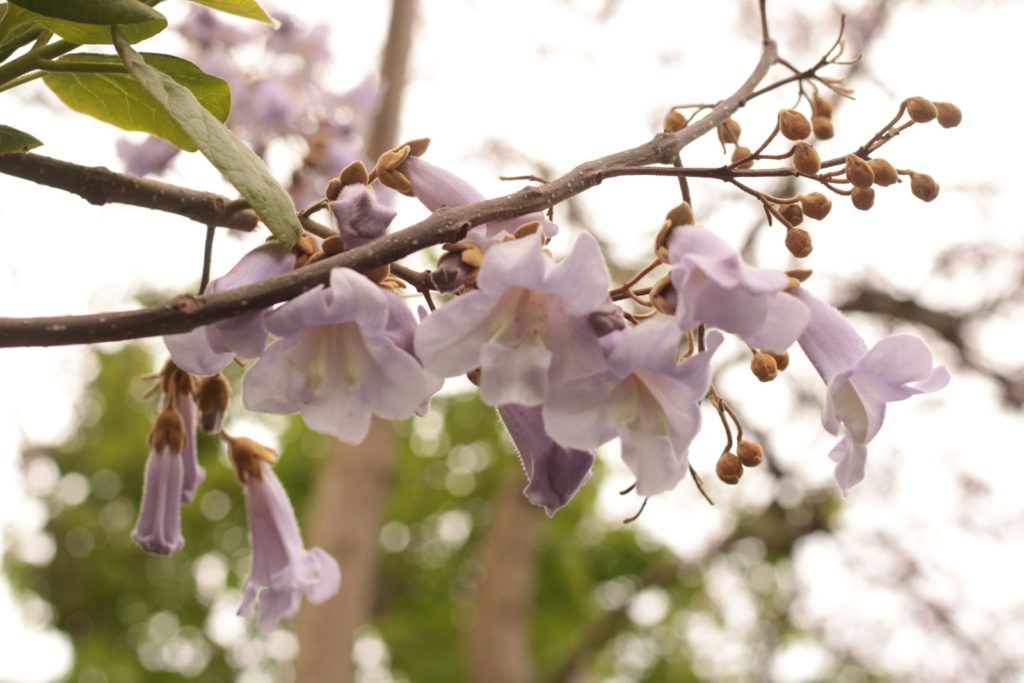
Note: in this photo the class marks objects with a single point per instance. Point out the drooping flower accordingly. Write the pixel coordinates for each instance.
(179, 389)
(158, 529)
(525, 326)
(553, 473)
(861, 381)
(714, 287)
(344, 354)
(282, 569)
(208, 349)
(646, 396)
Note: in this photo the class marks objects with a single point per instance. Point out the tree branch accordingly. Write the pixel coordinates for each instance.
(184, 313)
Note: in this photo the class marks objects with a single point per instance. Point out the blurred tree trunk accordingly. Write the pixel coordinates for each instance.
(348, 497)
(499, 641)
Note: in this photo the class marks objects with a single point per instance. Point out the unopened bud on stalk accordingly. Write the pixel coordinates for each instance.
(798, 241)
(821, 106)
(920, 109)
(924, 186)
(823, 128)
(793, 125)
(674, 121)
(212, 398)
(949, 114)
(750, 453)
(806, 159)
(781, 359)
(729, 468)
(739, 153)
(792, 213)
(863, 197)
(885, 173)
(815, 205)
(681, 214)
(858, 171)
(764, 367)
(729, 132)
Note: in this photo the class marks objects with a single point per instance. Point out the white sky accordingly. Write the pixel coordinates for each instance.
(550, 81)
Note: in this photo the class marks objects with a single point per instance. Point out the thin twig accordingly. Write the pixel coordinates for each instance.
(211, 230)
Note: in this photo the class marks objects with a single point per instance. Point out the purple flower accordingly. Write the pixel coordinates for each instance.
(158, 529)
(208, 349)
(282, 570)
(645, 396)
(193, 474)
(716, 288)
(152, 155)
(525, 326)
(344, 354)
(553, 473)
(361, 217)
(861, 382)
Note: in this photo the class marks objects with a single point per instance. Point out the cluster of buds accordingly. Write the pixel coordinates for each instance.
(821, 117)
(730, 466)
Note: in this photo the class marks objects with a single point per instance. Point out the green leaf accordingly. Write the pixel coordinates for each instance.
(93, 11)
(120, 100)
(226, 152)
(92, 34)
(14, 140)
(249, 9)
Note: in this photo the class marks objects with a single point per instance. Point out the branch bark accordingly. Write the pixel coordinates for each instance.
(445, 225)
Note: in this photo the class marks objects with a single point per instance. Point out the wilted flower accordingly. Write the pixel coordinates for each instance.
(282, 570)
(861, 381)
(646, 396)
(344, 354)
(716, 288)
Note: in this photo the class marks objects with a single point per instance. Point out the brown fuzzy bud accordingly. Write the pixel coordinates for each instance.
(781, 359)
(799, 274)
(823, 128)
(806, 159)
(863, 197)
(924, 186)
(920, 110)
(792, 213)
(798, 241)
(729, 132)
(333, 189)
(729, 468)
(750, 453)
(681, 214)
(354, 174)
(949, 114)
(885, 173)
(764, 366)
(858, 171)
(212, 398)
(793, 125)
(821, 106)
(679, 217)
(739, 153)
(663, 296)
(246, 455)
(169, 430)
(815, 205)
(674, 121)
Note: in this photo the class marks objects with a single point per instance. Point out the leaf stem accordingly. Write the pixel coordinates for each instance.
(31, 59)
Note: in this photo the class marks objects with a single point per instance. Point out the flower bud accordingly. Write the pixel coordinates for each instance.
(212, 398)
(863, 197)
(949, 114)
(739, 153)
(679, 216)
(781, 358)
(823, 128)
(663, 296)
(858, 171)
(815, 205)
(806, 159)
(333, 189)
(920, 110)
(885, 173)
(750, 453)
(682, 214)
(764, 367)
(798, 241)
(792, 213)
(729, 132)
(729, 468)
(924, 186)
(674, 121)
(821, 106)
(793, 125)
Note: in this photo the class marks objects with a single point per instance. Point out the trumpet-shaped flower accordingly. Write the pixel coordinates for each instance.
(193, 472)
(553, 473)
(344, 354)
(646, 396)
(525, 326)
(158, 529)
(282, 569)
(861, 381)
(716, 288)
(208, 349)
